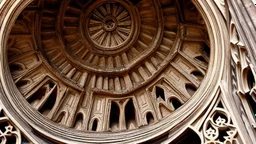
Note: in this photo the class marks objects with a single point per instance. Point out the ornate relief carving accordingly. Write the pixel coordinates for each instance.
(218, 127)
(111, 25)
(242, 70)
(9, 133)
(243, 75)
(77, 67)
(91, 62)
(111, 67)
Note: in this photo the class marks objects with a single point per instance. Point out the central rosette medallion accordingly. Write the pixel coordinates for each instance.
(120, 44)
(110, 25)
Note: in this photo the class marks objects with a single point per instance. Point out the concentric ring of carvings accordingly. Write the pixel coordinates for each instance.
(71, 53)
(12, 96)
(126, 25)
(67, 49)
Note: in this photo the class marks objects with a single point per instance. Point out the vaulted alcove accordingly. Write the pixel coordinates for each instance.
(114, 121)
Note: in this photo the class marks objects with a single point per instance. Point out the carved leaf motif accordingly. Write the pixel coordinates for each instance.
(220, 121)
(211, 133)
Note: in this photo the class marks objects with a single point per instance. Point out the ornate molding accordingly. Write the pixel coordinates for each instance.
(163, 71)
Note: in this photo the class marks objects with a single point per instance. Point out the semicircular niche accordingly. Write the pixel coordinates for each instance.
(102, 65)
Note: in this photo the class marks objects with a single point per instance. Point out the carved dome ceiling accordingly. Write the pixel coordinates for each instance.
(107, 65)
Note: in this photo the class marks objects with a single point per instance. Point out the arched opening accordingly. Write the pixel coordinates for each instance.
(250, 79)
(16, 67)
(190, 89)
(130, 115)
(150, 118)
(114, 117)
(49, 104)
(95, 125)
(22, 83)
(198, 75)
(37, 96)
(206, 51)
(175, 103)
(61, 118)
(79, 121)
(160, 93)
(201, 59)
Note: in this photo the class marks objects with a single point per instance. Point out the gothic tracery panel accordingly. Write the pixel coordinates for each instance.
(9, 133)
(243, 75)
